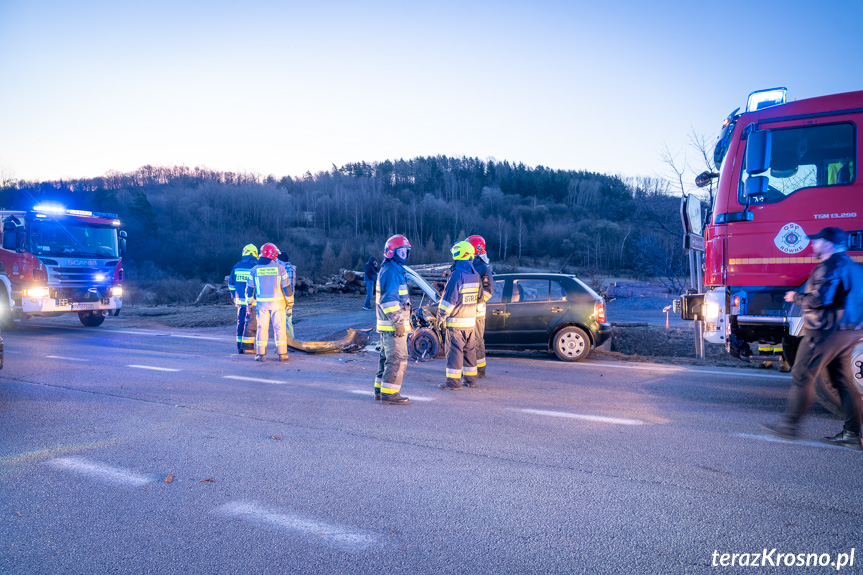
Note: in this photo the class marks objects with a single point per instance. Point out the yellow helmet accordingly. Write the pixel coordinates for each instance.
(463, 251)
(250, 249)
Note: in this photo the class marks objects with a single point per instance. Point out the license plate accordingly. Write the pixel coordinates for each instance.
(83, 306)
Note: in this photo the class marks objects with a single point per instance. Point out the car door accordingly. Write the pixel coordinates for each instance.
(530, 312)
(495, 315)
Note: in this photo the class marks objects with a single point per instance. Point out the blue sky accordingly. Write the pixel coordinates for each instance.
(287, 87)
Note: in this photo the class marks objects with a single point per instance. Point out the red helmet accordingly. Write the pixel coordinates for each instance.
(269, 251)
(394, 243)
(478, 243)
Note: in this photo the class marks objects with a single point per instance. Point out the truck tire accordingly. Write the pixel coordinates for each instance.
(424, 344)
(91, 318)
(828, 396)
(7, 322)
(571, 344)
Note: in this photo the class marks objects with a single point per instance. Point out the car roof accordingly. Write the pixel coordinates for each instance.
(548, 275)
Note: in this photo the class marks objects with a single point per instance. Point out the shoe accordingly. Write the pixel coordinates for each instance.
(847, 439)
(782, 430)
(377, 394)
(450, 387)
(394, 399)
(260, 357)
(240, 350)
(283, 357)
(367, 308)
(469, 384)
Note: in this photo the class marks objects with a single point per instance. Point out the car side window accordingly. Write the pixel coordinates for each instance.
(557, 291)
(524, 291)
(497, 296)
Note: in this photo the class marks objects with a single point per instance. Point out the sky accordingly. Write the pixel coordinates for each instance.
(285, 87)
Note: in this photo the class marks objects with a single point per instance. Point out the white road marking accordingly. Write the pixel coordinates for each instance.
(411, 397)
(339, 536)
(772, 439)
(585, 417)
(204, 337)
(66, 358)
(257, 379)
(153, 368)
(732, 372)
(100, 471)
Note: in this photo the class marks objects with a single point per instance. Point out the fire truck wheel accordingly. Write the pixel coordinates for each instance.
(828, 396)
(91, 318)
(6, 320)
(424, 344)
(571, 344)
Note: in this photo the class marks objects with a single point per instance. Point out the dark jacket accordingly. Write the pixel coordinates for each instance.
(833, 296)
(370, 272)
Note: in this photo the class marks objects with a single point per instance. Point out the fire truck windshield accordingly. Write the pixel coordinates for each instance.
(68, 239)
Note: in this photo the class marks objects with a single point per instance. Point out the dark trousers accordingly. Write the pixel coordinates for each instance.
(461, 355)
(831, 351)
(370, 292)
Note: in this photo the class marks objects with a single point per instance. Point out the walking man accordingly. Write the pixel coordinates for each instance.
(486, 276)
(246, 321)
(268, 284)
(457, 309)
(393, 311)
(832, 302)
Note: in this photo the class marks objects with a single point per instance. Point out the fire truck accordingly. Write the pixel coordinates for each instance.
(56, 260)
(786, 169)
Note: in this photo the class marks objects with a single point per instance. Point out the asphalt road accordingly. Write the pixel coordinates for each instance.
(548, 467)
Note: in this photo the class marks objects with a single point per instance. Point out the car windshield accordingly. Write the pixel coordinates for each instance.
(63, 239)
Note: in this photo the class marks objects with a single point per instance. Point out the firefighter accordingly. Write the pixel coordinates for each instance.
(393, 311)
(246, 323)
(486, 276)
(291, 269)
(269, 286)
(457, 309)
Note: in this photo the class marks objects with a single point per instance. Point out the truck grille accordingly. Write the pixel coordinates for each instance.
(59, 277)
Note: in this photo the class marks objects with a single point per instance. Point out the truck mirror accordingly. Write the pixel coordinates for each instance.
(758, 152)
(704, 178)
(9, 242)
(122, 246)
(756, 185)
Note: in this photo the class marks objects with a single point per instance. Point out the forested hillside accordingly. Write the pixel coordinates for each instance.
(193, 223)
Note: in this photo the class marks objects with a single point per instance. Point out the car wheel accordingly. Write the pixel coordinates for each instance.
(571, 344)
(828, 396)
(91, 318)
(424, 344)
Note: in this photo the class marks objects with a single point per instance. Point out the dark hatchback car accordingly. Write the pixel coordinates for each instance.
(556, 312)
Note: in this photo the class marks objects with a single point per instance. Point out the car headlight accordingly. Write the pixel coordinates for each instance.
(710, 311)
(117, 291)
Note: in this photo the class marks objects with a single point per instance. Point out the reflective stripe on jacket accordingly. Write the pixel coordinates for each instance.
(393, 298)
(486, 278)
(268, 284)
(460, 297)
(238, 278)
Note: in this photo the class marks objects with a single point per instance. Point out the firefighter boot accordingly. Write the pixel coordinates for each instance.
(283, 357)
(260, 357)
(394, 399)
(451, 384)
(240, 349)
(847, 439)
(377, 394)
(480, 373)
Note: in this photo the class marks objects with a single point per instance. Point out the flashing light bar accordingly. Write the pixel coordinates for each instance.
(761, 99)
(59, 209)
(50, 208)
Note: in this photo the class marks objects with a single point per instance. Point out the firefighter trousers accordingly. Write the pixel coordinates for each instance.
(479, 330)
(247, 327)
(280, 333)
(461, 355)
(392, 363)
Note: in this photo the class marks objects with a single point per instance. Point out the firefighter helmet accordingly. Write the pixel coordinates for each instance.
(478, 243)
(250, 249)
(463, 251)
(269, 251)
(394, 243)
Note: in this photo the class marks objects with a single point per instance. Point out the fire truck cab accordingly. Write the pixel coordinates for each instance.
(56, 260)
(787, 169)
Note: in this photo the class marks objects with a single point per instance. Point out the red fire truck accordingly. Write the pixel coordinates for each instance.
(56, 260)
(787, 169)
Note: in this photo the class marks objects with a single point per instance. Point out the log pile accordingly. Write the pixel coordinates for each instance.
(637, 290)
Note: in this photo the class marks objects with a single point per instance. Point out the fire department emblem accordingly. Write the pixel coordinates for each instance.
(791, 239)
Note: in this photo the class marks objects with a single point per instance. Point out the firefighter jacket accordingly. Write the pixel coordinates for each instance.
(269, 287)
(486, 278)
(238, 278)
(460, 297)
(833, 296)
(393, 299)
